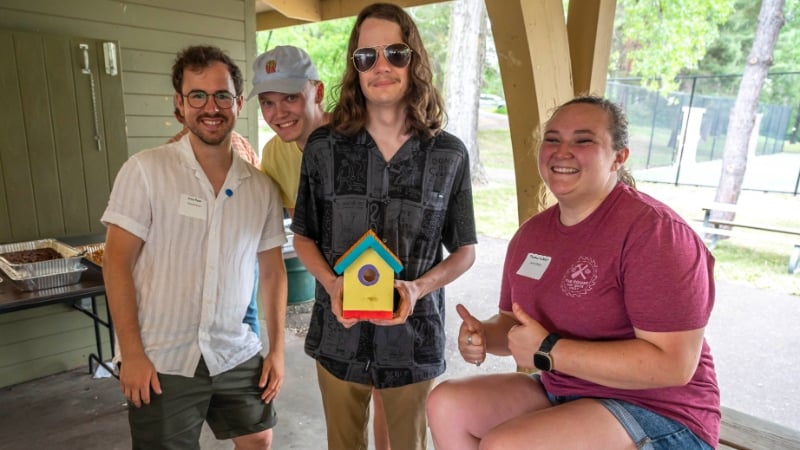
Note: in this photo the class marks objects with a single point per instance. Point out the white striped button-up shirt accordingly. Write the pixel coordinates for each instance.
(194, 276)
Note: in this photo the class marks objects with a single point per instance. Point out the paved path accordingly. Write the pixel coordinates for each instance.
(753, 335)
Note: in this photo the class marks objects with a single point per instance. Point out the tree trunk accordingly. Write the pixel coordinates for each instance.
(464, 75)
(743, 114)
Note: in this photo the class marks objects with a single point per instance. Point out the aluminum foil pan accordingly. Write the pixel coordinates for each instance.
(93, 253)
(71, 259)
(45, 281)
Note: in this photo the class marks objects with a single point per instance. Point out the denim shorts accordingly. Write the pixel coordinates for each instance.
(650, 431)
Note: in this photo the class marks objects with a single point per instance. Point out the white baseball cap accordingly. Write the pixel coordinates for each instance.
(284, 69)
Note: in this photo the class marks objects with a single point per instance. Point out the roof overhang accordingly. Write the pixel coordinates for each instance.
(271, 14)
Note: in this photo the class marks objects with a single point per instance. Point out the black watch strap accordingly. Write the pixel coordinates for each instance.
(549, 342)
(542, 359)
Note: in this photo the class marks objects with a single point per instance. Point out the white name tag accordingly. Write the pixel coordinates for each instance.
(534, 266)
(192, 207)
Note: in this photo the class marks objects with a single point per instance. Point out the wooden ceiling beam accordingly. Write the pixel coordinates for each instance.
(302, 10)
(532, 48)
(590, 27)
(328, 10)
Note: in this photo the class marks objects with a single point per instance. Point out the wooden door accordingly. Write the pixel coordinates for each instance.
(62, 136)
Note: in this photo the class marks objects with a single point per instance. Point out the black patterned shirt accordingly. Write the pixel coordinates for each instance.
(418, 203)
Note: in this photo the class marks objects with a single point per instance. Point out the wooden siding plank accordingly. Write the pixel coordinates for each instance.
(27, 314)
(37, 368)
(230, 9)
(72, 190)
(42, 162)
(137, 144)
(142, 49)
(135, 15)
(150, 84)
(12, 148)
(50, 346)
(91, 123)
(166, 126)
(111, 102)
(149, 105)
(145, 61)
(128, 36)
(35, 318)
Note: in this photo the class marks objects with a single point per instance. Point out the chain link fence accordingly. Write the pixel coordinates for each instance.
(679, 137)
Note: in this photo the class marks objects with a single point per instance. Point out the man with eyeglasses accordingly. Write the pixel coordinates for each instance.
(246, 152)
(384, 164)
(186, 222)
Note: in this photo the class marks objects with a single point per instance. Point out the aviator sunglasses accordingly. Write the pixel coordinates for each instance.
(398, 55)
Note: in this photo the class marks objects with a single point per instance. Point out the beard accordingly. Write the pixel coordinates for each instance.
(211, 137)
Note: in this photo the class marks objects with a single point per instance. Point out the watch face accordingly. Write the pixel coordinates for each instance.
(542, 361)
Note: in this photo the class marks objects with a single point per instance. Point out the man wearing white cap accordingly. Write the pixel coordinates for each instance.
(290, 94)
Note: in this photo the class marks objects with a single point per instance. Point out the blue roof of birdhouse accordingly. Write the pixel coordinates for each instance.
(367, 241)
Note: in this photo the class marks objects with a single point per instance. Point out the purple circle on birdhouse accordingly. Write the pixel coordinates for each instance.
(368, 275)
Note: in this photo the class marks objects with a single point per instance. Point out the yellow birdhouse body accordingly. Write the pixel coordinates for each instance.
(368, 268)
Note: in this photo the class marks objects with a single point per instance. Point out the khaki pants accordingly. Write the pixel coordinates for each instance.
(346, 408)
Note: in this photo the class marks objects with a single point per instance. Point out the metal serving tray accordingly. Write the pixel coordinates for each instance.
(70, 261)
(93, 253)
(45, 281)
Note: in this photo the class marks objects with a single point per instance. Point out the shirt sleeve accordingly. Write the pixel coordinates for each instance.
(244, 149)
(667, 277)
(459, 229)
(129, 202)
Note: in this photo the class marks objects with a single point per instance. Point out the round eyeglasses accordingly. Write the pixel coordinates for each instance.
(398, 55)
(198, 99)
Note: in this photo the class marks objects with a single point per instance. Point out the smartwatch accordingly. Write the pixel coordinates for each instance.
(542, 359)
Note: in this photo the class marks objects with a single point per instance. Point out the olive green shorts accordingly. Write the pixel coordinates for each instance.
(230, 402)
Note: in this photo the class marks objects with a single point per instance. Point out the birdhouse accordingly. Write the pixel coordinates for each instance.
(368, 267)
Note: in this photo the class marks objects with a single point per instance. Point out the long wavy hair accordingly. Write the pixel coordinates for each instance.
(424, 104)
(617, 128)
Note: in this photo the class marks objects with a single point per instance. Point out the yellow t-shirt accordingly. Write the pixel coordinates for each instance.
(281, 161)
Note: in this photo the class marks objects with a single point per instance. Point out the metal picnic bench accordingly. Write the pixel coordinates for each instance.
(712, 228)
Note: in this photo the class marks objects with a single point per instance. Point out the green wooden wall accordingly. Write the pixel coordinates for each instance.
(48, 340)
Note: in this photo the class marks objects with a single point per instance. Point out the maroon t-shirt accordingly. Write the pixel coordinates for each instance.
(632, 263)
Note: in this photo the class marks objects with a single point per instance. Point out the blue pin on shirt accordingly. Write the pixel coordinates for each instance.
(229, 192)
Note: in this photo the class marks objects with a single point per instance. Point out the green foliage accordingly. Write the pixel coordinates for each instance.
(325, 42)
(657, 39)
(433, 22)
(787, 50)
(728, 53)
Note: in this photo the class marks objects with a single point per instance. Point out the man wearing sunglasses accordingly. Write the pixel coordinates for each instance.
(384, 164)
(290, 96)
(186, 222)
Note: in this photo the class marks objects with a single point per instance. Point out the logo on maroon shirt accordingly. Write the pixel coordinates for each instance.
(580, 278)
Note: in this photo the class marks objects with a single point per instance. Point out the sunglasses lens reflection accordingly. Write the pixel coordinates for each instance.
(365, 58)
(399, 55)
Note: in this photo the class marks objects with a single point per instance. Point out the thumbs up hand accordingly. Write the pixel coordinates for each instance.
(471, 337)
(525, 338)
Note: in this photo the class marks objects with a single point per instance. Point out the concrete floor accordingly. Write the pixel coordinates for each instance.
(753, 335)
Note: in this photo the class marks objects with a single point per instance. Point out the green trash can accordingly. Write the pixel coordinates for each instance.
(301, 283)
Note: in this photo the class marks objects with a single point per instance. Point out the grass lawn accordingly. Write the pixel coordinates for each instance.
(756, 258)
